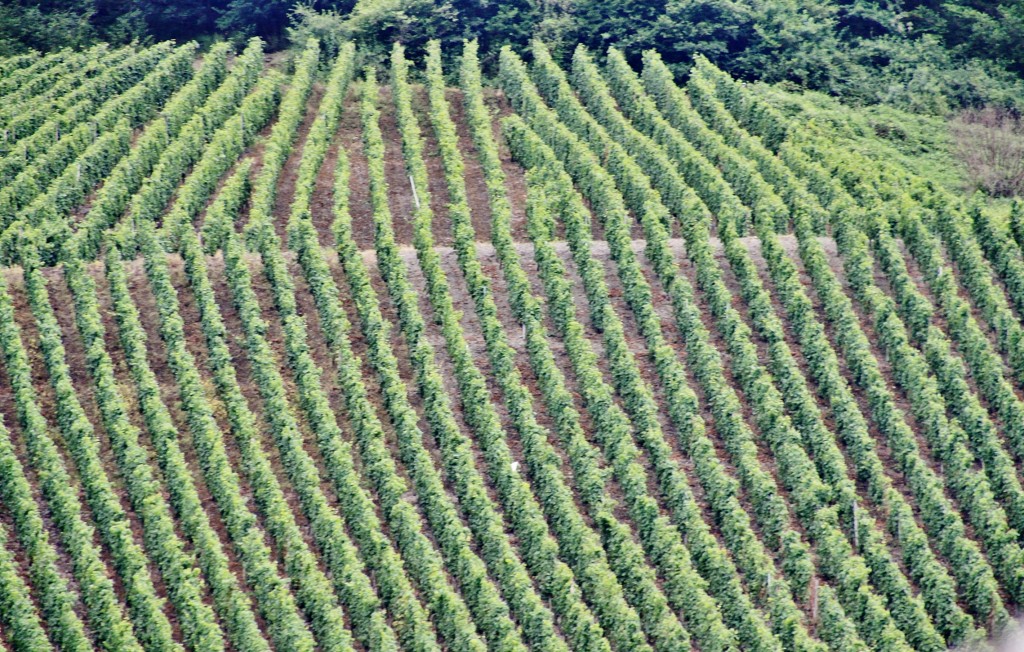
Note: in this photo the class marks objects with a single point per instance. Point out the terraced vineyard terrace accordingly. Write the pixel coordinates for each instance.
(305, 356)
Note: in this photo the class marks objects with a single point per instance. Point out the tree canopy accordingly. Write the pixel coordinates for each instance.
(926, 55)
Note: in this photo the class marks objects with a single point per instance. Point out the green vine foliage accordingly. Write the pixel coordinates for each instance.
(939, 593)
(277, 604)
(766, 394)
(794, 464)
(975, 578)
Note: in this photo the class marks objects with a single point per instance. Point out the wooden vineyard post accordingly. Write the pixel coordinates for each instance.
(814, 600)
(856, 529)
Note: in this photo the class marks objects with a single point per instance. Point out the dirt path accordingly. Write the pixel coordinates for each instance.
(350, 135)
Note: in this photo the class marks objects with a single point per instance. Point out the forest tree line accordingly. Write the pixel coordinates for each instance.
(932, 56)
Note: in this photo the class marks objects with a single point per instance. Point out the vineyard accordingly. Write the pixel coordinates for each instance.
(581, 358)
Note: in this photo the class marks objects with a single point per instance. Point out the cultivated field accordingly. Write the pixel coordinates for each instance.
(580, 359)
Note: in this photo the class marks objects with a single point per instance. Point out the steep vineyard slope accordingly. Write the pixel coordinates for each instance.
(588, 360)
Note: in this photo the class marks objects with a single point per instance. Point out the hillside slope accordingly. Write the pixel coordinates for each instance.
(586, 361)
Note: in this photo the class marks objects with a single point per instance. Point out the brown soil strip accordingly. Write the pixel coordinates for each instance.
(351, 137)
(899, 397)
(828, 418)
(146, 303)
(401, 195)
(250, 390)
(289, 175)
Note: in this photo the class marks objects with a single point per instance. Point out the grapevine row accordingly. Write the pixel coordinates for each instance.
(206, 92)
(279, 144)
(944, 524)
(711, 560)
(104, 613)
(491, 613)
(318, 140)
(24, 631)
(936, 587)
(412, 623)
(917, 312)
(313, 590)
(984, 363)
(423, 564)
(26, 127)
(701, 93)
(519, 502)
(45, 91)
(792, 389)
(329, 533)
(18, 69)
(942, 519)
(231, 603)
(55, 183)
(540, 456)
(796, 469)
(185, 584)
(946, 436)
(219, 219)
(949, 371)
(226, 144)
(336, 548)
(158, 73)
(1000, 251)
(273, 594)
(152, 625)
(614, 432)
(225, 124)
